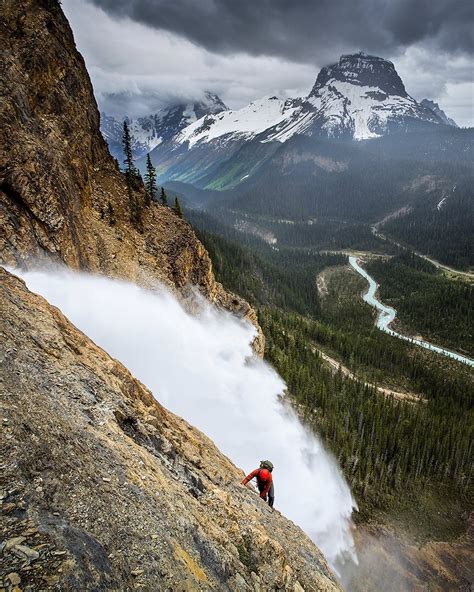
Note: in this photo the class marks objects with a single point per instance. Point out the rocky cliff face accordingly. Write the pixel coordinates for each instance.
(62, 196)
(103, 489)
(439, 112)
(361, 69)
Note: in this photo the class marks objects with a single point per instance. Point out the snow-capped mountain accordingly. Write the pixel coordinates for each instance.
(242, 124)
(150, 131)
(363, 96)
(359, 97)
(439, 112)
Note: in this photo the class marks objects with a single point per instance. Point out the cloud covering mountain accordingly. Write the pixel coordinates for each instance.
(144, 53)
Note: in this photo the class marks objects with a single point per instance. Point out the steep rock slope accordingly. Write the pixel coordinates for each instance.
(245, 123)
(363, 97)
(439, 112)
(103, 489)
(62, 196)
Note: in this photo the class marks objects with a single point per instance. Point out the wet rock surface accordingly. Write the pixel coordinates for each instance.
(104, 489)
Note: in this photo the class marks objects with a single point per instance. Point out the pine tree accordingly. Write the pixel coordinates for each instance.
(131, 172)
(163, 198)
(150, 180)
(127, 149)
(177, 208)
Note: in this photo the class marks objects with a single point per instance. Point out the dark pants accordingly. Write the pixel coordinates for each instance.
(271, 496)
(271, 492)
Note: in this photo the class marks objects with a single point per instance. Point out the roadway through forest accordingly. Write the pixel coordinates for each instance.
(387, 392)
(387, 315)
(464, 274)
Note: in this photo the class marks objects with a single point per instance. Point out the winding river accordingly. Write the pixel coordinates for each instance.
(387, 314)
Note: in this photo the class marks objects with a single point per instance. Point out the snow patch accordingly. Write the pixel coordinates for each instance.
(243, 123)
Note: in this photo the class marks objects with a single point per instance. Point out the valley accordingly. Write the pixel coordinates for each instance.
(385, 407)
(292, 275)
(387, 315)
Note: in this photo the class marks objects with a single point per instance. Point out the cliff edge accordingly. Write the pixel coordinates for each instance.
(103, 489)
(62, 196)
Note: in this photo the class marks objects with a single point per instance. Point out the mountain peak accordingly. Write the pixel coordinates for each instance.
(209, 105)
(432, 106)
(363, 70)
(150, 131)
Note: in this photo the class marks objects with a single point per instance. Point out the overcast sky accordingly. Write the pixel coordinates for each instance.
(142, 54)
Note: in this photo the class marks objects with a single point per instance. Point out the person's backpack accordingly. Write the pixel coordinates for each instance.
(266, 464)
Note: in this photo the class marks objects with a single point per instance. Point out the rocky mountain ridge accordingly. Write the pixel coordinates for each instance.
(360, 97)
(439, 112)
(150, 131)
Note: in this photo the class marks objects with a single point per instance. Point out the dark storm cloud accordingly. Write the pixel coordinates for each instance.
(305, 30)
(147, 54)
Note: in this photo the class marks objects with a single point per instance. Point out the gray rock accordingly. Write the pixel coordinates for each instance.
(13, 578)
(24, 552)
(10, 543)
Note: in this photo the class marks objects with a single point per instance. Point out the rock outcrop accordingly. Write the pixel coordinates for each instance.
(62, 196)
(103, 489)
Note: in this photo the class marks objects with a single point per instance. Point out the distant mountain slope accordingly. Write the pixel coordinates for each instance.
(245, 123)
(360, 97)
(438, 111)
(312, 176)
(363, 97)
(149, 132)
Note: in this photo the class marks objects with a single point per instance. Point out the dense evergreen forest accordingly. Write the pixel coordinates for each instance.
(420, 292)
(282, 279)
(361, 181)
(384, 446)
(388, 448)
(442, 228)
(313, 235)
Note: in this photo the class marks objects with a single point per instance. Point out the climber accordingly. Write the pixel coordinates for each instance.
(264, 481)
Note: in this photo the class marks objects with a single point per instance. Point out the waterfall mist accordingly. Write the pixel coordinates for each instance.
(201, 368)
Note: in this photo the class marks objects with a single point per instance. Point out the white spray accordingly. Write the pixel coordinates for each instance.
(200, 368)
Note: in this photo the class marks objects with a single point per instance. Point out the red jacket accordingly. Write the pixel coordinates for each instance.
(263, 486)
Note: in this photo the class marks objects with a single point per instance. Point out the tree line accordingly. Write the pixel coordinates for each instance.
(386, 447)
(427, 302)
(135, 184)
